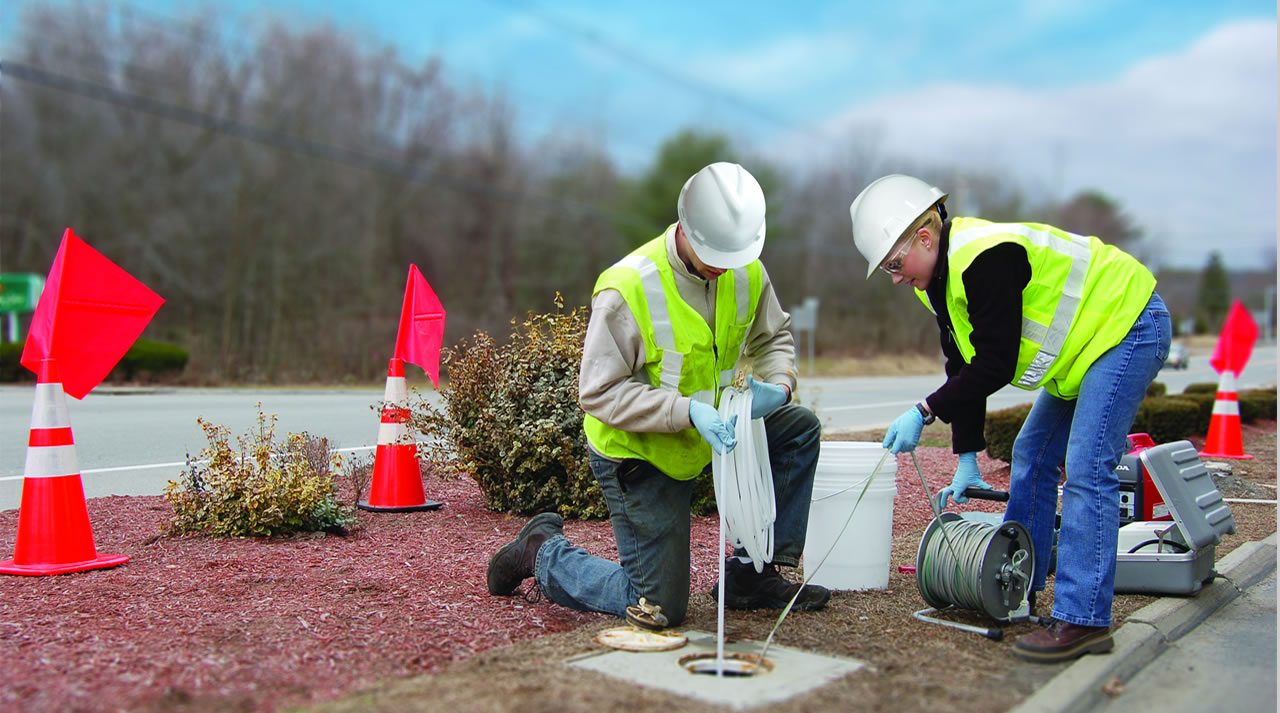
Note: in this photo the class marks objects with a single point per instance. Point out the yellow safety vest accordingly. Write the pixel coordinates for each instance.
(682, 354)
(1083, 298)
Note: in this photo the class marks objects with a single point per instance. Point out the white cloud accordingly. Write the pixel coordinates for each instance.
(1185, 142)
(780, 65)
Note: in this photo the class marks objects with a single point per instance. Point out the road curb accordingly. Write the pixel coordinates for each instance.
(1149, 631)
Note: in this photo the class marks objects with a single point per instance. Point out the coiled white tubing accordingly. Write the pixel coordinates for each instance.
(743, 481)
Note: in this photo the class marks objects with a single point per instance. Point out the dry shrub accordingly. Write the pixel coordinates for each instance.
(263, 489)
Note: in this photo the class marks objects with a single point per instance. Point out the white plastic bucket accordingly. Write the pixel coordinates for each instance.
(860, 560)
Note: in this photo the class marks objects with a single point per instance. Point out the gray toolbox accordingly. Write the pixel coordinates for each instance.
(1164, 557)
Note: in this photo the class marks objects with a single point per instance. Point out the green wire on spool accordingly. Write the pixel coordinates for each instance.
(974, 565)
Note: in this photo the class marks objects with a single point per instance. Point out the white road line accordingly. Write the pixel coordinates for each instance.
(152, 466)
(900, 404)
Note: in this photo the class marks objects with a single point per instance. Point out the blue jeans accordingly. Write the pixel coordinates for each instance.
(650, 515)
(1088, 434)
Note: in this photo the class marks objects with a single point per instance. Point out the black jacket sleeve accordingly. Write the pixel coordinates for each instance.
(993, 286)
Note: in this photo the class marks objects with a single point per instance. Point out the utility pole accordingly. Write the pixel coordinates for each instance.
(1269, 309)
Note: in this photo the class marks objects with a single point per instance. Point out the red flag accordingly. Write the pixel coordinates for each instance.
(421, 326)
(1235, 343)
(90, 313)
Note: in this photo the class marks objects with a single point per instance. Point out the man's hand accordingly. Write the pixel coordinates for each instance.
(765, 397)
(904, 432)
(967, 476)
(713, 430)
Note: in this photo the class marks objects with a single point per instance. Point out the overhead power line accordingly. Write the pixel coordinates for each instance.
(658, 69)
(280, 140)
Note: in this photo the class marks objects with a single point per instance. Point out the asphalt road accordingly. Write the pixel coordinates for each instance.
(133, 441)
(1228, 662)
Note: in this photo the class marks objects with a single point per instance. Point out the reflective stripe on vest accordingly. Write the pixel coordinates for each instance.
(742, 298)
(1052, 336)
(660, 317)
(1083, 298)
(682, 352)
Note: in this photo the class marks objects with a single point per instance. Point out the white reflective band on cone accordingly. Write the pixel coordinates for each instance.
(51, 461)
(50, 408)
(1226, 407)
(1225, 403)
(392, 433)
(397, 392)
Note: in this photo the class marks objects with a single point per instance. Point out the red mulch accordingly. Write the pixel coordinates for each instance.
(260, 624)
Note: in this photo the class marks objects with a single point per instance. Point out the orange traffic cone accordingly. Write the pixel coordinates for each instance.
(54, 536)
(1224, 427)
(396, 485)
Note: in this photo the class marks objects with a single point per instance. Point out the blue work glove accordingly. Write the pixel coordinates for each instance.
(714, 431)
(967, 476)
(904, 433)
(765, 397)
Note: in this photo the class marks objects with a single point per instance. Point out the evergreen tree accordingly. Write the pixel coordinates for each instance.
(1215, 293)
(649, 202)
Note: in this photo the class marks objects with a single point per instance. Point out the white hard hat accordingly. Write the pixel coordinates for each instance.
(884, 210)
(721, 210)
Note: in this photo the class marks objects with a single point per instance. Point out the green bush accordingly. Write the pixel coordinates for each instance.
(1157, 388)
(1204, 402)
(1002, 428)
(148, 359)
(1256, 404)
(263, 489)
(11, 369)
(1164, 418)
(1167, 418)
(510, 415)
(1202, 387)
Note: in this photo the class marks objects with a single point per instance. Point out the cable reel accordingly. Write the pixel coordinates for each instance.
(974, 565)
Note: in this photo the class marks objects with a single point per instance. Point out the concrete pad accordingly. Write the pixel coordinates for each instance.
(794, 672)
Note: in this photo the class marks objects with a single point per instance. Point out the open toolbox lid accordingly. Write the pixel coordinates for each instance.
(1198, 510)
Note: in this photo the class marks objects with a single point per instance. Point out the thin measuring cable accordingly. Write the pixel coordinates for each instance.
(937, 514)
(720, 609)
(946, 538)
(743, 480)
(745, 502)
(787, 609)
(753, 513)
(971, 540)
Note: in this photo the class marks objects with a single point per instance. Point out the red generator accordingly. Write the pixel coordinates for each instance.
(1140, 499)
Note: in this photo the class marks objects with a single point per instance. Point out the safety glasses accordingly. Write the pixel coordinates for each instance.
(893, 264)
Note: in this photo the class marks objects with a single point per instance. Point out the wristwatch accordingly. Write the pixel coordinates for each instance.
(926, 413)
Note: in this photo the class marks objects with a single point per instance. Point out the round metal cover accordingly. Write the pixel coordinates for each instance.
(630, 638)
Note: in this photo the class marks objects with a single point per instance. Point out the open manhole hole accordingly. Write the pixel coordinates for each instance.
(735, 664)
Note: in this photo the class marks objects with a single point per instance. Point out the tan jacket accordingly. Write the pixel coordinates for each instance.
(612, 385)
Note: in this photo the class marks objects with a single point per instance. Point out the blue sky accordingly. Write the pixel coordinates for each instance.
(1169, 107)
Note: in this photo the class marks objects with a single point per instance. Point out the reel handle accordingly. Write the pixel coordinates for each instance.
(984, 494)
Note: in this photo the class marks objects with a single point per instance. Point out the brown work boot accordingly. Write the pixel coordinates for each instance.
(513, 562)
(745, 588)
(1060, 641)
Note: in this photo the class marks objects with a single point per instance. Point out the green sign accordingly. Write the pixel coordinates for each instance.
(20, 291)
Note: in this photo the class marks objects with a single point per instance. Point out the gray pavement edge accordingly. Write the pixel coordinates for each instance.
(1149, 631)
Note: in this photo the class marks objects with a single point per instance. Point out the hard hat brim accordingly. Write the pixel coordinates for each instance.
(722, 260)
